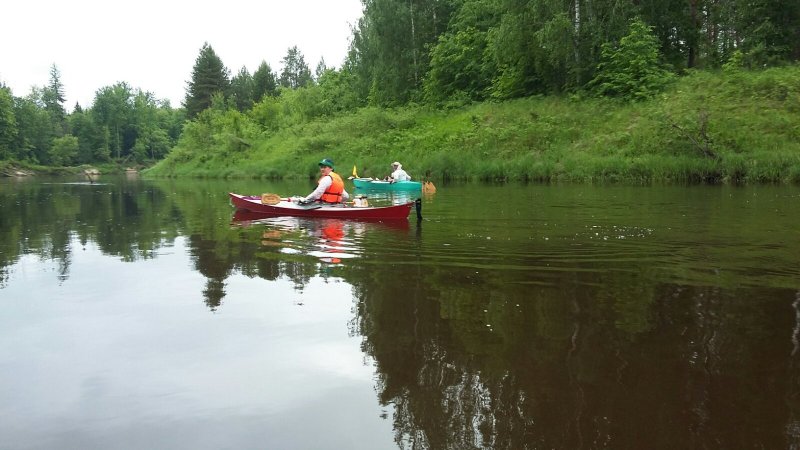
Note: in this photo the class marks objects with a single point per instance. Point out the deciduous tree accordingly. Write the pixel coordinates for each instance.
(113, 111)
(8, 123)
(64, 150)
(34, 128)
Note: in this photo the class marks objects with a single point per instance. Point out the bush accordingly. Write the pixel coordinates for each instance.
(631, 70)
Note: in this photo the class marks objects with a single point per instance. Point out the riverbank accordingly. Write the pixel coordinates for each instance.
(707, 127)
(26, 169)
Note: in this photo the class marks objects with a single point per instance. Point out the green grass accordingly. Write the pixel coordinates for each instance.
(708, 127)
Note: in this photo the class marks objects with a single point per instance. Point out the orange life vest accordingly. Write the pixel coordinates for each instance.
(334, 192)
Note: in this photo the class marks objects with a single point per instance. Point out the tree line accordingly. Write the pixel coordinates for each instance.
(123, 124)
(127, 125)
(436, 52)
(452, 52)
(433, 50)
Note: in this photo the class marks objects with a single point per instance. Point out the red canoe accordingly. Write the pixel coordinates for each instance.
(288, 208)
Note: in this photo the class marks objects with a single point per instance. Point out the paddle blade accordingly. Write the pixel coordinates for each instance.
(270, 199)
(355, 173)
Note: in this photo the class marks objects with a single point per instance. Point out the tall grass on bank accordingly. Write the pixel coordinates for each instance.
(708, 127)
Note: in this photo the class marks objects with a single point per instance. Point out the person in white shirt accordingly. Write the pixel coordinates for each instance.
(398, 174)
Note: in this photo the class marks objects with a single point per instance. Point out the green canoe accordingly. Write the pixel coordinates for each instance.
(380, 185)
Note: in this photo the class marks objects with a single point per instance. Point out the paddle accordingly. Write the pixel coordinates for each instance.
(301, 203)
(273, 199)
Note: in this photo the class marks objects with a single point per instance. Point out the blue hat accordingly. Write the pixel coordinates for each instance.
(326, 162)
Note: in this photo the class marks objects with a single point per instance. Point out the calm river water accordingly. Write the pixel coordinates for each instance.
(145, 314)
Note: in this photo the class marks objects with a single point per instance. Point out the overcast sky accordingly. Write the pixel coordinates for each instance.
(153, 45)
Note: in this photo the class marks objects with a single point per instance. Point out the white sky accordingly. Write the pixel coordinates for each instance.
(153, 45)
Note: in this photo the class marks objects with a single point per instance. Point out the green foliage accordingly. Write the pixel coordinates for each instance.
(735, 62)
(534, 48)
(53, 99)
(509, 44)
(771, 31)
(338, 91)
(64, 150)
(389, 52)
(450, 51)
(113, 112)
(457, 67)
(295, 73)
(264, 82)
(34, 121)
(91, 147)
(8, 123)
(746, 120)
(130, 125)
(302, 105)
(631, 70)
(267, 113)
(34, 129)
(242, 90)
(321, 68)
(209, 76)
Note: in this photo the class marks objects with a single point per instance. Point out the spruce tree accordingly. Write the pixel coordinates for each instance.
(53, 98)
(631, 70)
(264, 82)
(242, 90)
(209, 76)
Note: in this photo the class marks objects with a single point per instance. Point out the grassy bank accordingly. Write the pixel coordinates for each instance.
(708, 127)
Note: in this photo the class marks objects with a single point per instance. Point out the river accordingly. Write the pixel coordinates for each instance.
(146, 314)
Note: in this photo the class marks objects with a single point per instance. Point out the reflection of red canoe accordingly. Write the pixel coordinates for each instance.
(288, 208)
(243, 217)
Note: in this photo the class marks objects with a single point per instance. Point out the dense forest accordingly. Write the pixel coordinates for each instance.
(435, 54)
(124, 125)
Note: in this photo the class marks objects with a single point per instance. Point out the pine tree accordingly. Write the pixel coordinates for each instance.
(53, 98)
(242, 90)
(209, 76)
(295, 71)
(264, 82)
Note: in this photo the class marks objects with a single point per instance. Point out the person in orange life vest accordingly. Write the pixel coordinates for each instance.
(330, 188)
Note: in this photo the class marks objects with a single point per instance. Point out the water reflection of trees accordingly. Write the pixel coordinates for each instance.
(132, 221)
(610, 362)
(511, 359)
(129, 221)
(218, 258)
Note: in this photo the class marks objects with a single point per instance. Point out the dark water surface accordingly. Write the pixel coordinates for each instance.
(144, 314)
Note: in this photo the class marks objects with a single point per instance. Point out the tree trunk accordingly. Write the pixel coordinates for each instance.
(576, 42)
(413, 41)
(692, 41)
